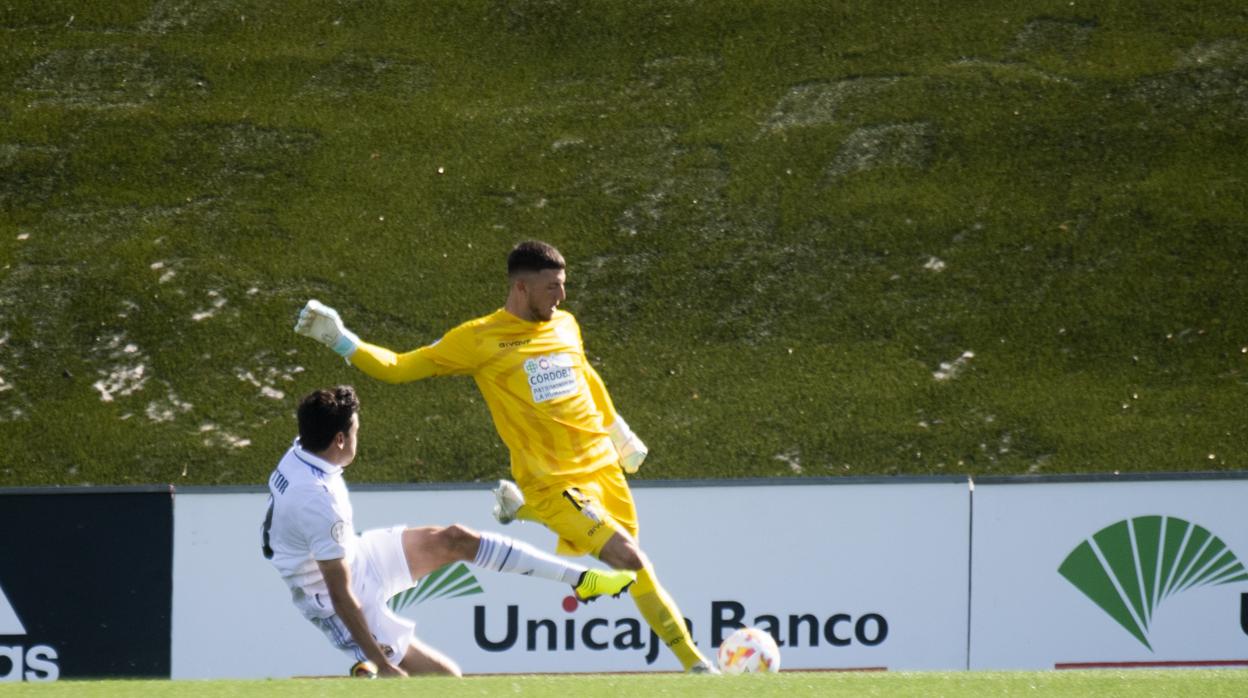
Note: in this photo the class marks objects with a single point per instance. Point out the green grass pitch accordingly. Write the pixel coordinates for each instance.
(1103, 684)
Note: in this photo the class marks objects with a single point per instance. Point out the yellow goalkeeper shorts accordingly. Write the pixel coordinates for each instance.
(585, 511)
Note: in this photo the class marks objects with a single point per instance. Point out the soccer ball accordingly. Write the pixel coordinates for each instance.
(364, 670)
(749, 650)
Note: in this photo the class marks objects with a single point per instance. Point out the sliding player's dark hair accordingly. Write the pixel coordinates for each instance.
(533, 255)
(323, 414)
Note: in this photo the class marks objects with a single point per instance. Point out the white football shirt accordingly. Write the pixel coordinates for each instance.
(309, 519)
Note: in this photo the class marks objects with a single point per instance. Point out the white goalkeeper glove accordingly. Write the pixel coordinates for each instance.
(322, 323)
(631, 449)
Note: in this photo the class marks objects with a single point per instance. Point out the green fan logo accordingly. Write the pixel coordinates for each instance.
(446, 582)
(1130, 567)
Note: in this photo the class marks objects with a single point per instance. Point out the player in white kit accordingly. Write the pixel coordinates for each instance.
(341, 582)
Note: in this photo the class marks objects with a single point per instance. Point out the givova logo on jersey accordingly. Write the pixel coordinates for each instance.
(1129, 568)
(551, 376)
(18, 662)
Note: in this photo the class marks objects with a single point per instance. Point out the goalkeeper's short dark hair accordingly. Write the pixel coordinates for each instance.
(323, 414)
(533, 255)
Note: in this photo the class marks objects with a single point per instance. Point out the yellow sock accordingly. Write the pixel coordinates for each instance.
(664, 618)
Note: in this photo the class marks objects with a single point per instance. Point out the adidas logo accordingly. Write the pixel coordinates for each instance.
(1130, 567)
(10, 624)
(37, 663)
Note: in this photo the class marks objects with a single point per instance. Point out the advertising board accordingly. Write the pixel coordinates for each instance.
(847, 576)
(85, 584)
(1109, 574)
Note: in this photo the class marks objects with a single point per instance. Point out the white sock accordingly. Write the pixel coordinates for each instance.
(502, 554)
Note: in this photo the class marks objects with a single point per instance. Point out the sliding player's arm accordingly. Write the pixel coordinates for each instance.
(323, 524)
(338, 580)
(322, 323)
(632, 449)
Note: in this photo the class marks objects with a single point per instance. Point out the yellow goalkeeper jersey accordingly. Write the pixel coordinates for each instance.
(549, 405)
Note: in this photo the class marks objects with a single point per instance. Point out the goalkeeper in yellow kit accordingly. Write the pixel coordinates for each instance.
(569, 447)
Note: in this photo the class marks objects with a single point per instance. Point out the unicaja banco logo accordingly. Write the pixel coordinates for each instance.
(1130, 567)
(447, 582)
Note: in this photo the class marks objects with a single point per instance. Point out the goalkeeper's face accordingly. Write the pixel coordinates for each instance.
(544, 292)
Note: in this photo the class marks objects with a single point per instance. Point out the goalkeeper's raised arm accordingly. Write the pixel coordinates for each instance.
(325, 325)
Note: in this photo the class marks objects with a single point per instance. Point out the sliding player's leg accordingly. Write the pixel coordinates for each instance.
(430, 547)
(422, 658)
(379, 570)
(391, 560)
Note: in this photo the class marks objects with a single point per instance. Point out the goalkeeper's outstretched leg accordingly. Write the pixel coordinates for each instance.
(656, 606)
(579, 514)
(509, 503)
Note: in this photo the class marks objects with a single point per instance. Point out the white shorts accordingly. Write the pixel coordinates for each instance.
(378, 572)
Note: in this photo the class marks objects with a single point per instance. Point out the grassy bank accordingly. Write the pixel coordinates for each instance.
(806, 238)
